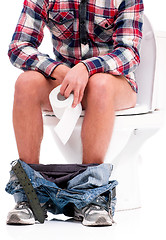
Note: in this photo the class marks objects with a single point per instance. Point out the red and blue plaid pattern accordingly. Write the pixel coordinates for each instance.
(114, 30)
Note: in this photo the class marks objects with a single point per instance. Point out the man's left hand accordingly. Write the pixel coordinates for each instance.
(75, 81)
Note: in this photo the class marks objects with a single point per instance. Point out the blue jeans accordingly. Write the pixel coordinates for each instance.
(81, 190)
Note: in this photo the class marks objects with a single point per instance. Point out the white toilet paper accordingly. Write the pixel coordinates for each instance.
(63, 110)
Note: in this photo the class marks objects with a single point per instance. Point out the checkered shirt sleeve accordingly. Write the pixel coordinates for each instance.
(23, 50)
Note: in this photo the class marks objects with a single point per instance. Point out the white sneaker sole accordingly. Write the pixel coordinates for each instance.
(101, 221)
(14, 219)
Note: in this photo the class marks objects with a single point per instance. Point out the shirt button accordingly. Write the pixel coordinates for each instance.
(60, 19)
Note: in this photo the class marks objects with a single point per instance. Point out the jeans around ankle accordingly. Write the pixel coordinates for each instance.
(82, 190)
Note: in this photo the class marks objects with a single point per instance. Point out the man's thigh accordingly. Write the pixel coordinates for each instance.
(124, 98)
(118, 88)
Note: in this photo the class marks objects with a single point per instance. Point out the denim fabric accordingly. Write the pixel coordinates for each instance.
(92, 177)
(81, 191)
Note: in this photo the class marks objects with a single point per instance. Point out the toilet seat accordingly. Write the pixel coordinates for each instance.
(138, 109)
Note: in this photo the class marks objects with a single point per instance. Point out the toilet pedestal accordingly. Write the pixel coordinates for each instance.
(127, 167)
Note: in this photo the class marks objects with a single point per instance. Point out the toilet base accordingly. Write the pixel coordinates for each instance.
(128, 189)
(127, 168)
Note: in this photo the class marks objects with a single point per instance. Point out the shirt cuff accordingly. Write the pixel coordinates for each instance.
(47, 67)
(94, 65)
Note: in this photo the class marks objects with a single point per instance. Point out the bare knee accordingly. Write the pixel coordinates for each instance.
(27, 86)
(100, 90)
(107, 90)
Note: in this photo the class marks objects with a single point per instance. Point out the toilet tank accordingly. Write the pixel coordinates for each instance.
(151, 73)
(145, 73)
(159, 88)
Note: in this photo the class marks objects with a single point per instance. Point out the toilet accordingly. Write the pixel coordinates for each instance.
(132, 126)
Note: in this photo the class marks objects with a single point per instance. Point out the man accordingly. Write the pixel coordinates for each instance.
(96, 46)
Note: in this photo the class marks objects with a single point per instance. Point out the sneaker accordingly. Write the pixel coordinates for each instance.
(95, 214)
(21, 214)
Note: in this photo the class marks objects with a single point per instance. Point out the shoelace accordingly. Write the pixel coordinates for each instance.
(98, 205)
(25, 205)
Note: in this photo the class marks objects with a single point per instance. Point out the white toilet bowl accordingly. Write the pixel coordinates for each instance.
(132, 127)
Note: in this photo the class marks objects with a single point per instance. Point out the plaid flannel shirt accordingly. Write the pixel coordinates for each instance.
(114, 30)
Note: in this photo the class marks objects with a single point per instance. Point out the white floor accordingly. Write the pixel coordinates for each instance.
(131, 225)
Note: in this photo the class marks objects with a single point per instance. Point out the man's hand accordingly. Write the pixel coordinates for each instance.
(75, 81)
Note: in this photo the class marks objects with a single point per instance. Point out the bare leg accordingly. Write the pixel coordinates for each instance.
(105, 93)
(31, 95)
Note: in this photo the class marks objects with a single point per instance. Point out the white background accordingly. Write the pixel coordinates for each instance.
(149, 222)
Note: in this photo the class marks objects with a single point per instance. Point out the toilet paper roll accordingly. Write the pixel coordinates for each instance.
(63, 110)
